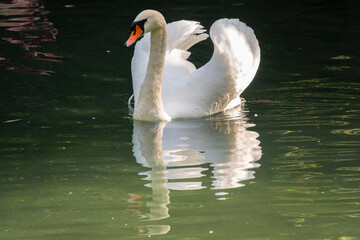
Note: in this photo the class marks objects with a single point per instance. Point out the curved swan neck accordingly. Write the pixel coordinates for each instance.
(155, 67)
(150, 106)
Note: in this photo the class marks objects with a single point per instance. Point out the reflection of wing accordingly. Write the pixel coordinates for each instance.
(229, 146)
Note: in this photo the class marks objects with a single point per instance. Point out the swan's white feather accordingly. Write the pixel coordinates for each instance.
(190, 93)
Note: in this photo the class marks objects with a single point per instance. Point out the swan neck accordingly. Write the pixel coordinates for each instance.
(157, 56)
(150, 106)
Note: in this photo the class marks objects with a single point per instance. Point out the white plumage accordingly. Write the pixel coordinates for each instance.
(188, 92)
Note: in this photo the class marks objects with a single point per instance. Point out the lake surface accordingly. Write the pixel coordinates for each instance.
(75, 165)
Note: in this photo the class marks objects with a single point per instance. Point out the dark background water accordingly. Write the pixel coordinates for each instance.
(69, 151)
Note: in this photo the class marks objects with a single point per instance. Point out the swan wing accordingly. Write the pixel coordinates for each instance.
(184, 34)
(217, 85)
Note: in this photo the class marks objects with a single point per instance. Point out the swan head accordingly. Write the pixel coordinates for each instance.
(146, 21)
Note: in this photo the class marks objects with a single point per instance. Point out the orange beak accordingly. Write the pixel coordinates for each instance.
(135, 35)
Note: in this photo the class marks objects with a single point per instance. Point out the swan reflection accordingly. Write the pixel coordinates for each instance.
(180, 154)
(25, 23)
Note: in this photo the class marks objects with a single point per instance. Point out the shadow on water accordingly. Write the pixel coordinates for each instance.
(179, 154)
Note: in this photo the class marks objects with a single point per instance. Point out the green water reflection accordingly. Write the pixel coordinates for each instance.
(74, 165)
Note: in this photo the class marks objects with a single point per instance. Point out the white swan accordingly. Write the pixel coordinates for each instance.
(167, 86)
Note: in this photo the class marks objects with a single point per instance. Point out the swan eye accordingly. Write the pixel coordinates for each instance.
(140, 24)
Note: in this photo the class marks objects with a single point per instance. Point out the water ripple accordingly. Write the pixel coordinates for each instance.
(354, 131)
(25, 23)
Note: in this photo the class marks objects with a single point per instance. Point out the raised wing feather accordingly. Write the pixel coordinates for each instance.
(217, 85)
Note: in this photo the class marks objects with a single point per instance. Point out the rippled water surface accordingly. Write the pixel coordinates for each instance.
(74, 165)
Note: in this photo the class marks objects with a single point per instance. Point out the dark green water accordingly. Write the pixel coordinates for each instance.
(74, 165)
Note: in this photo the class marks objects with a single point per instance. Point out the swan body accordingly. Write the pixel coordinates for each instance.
(167, 86)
